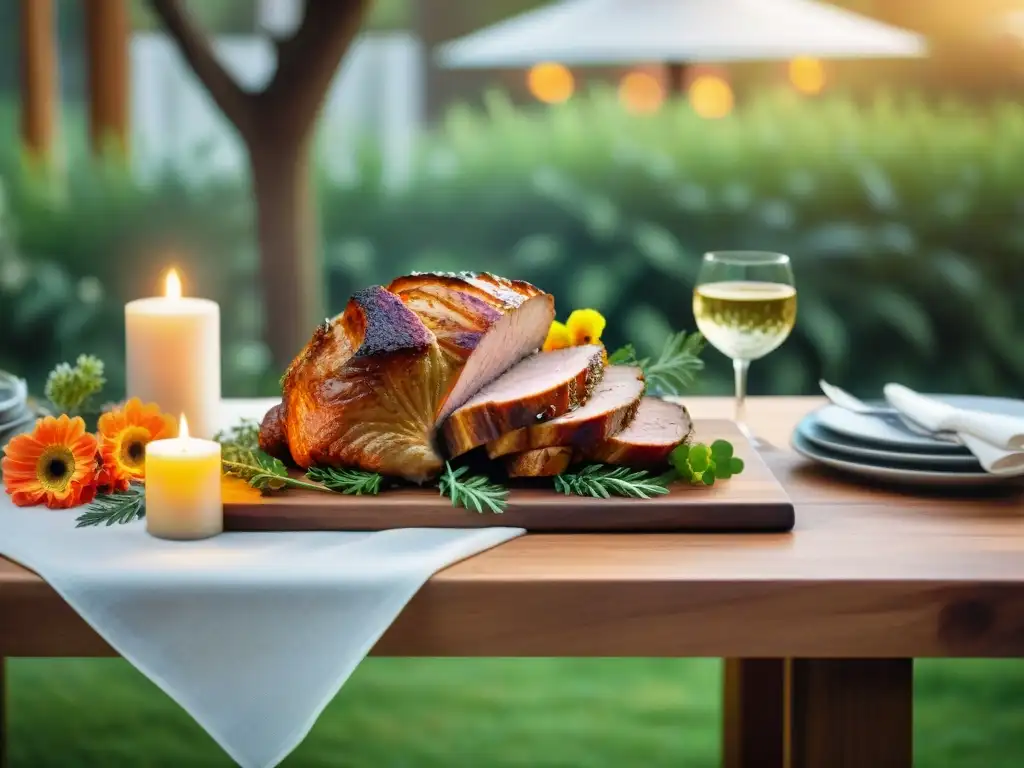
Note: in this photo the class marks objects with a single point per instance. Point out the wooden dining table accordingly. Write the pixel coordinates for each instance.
(818, 627)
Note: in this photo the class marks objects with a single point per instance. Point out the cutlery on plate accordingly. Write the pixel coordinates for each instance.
(999, 430)
(843, 399)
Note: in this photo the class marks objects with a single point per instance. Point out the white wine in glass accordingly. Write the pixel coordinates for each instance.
(745, 305)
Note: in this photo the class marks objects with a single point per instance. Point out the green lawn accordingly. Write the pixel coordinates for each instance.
(541, 713)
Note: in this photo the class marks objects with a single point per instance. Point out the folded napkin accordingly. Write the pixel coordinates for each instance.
(251, 633)
(996, 440)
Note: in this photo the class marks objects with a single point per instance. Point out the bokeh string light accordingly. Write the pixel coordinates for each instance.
(550, 82)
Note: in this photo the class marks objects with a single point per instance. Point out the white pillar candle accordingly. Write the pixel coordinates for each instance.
(173, 355)
(183, 487)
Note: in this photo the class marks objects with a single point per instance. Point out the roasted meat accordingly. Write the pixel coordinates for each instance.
(541, 387)
(373, 385)
(542, 462)
(609, 409)
(658, 427)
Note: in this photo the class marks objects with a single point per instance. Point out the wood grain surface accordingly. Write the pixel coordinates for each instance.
(867, 572)
(752, 501)
(850, 713)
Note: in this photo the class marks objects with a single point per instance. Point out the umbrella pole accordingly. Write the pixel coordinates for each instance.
(676, 74)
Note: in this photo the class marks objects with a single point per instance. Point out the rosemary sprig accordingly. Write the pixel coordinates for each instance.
(474, 493)
(244, 436)
(603, 481)
(114, 508)
(676, 368)
(355, 482)
(262, 471)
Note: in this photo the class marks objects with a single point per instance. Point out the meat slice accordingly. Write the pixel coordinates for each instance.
(485, 323)
(541, 387)
(609, 409)
(371, 387)
(658, 427)
(542, 462)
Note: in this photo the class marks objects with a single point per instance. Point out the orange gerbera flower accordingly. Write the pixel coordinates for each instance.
(55, 464)
(124, 434)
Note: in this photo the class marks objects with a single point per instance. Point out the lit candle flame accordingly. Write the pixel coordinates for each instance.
(183, 428)
(172, 285)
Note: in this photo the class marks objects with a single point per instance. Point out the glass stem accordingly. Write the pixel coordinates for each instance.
(741, 367)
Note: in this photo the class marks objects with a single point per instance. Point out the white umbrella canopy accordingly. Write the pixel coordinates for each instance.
(582, 32)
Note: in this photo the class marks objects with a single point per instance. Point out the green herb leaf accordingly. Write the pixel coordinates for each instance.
(71, 388)
(603, 481)
(243, 437)
(626, 356)
(677, 367)
(721, 450)
(355, 482)
(736, 465)
(474, 493)
(114, 508)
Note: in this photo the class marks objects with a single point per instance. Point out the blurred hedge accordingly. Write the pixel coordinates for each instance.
(905, 221)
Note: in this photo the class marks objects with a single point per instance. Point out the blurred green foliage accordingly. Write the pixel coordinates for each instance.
(905, 221)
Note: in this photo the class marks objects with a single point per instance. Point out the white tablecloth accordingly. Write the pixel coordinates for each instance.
(251, 633)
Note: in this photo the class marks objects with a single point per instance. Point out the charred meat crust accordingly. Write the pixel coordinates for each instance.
(542, 462)
(499, 292)
(476, 424)
(273, 440)
(387, 324)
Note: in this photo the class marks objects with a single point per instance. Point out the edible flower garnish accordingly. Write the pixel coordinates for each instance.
(558, 337)
(55, 464)
(585, 326)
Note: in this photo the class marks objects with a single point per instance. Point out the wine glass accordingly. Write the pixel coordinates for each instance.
(745, 305)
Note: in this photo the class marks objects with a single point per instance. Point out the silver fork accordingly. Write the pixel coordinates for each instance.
(846, 401)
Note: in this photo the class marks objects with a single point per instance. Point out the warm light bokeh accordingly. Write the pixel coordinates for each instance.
(172, 285)
(641, 93)
(711, 96)
(807, 75)
(550, 82)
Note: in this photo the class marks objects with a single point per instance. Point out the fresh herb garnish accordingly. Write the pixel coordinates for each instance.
(244, 436)
(603, 481)
(676, 368)
(699, 464)
(355, 482)
(474, 492)
(70, 388)
(262, 471)
(114, 508)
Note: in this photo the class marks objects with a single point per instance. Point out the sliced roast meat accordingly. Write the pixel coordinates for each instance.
(541, 387)
(606, 413)
(371, 387)
(542, 462)
(658, 427)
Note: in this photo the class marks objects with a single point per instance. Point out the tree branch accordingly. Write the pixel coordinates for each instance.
(309, 59)
(235, 103)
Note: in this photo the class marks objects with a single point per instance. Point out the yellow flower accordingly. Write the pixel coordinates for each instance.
(558, 337)
(585, 326)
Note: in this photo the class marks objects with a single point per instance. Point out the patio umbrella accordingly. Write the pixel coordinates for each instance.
(592, 32)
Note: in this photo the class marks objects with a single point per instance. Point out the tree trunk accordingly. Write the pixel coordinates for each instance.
(106, 27)
(290, 273)
(38, 77)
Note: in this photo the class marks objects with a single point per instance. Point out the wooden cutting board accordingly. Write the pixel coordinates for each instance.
(753, 501)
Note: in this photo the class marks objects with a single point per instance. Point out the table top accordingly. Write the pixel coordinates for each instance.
(867, 572)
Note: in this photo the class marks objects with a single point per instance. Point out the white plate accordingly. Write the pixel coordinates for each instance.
(890, 434)
(811, 430)
(915, 477)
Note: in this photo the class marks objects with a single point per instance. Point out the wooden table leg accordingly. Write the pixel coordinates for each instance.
(849, 713)
(3, 712)
(753, 713)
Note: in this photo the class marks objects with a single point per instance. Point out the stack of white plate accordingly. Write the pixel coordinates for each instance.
(15, 414)
(883, 448)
